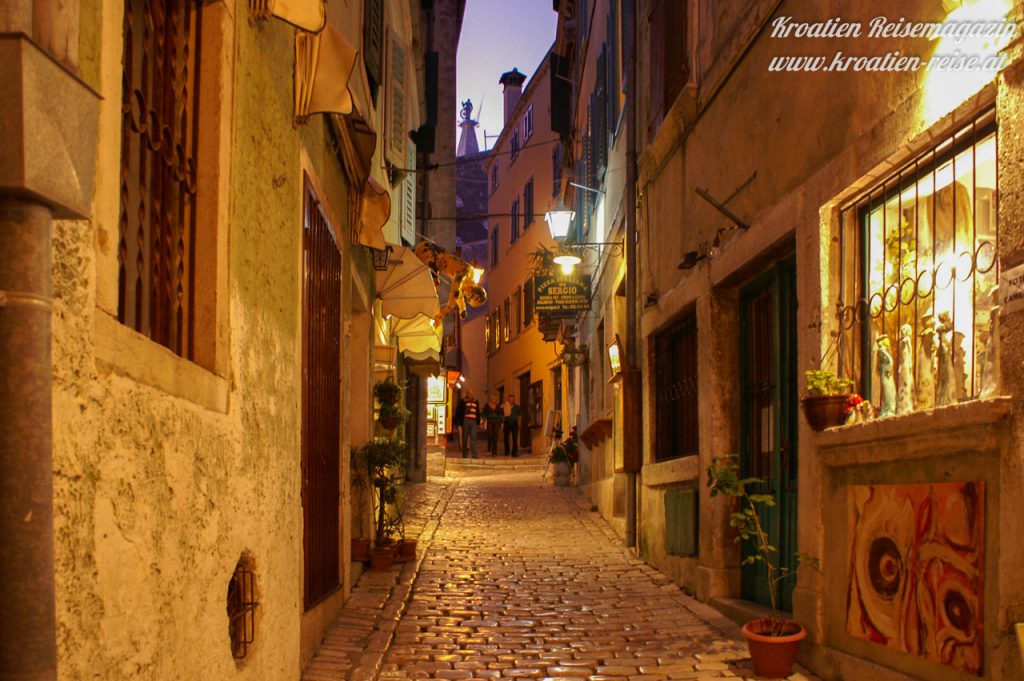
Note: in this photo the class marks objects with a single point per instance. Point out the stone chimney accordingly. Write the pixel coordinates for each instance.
(513, 88)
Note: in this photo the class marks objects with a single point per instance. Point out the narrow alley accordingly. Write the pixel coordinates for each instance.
(516, 578)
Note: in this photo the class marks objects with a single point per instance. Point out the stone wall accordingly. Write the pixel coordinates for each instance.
(166, 471)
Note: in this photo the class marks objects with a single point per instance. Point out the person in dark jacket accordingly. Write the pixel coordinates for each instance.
(512, 413)
(493, 416)
(468, 409)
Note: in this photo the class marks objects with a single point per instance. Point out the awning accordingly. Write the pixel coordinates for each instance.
(324, 63)
(422, 363)
(308, 15)
(417, 335)
(374, 212)
(406, 288)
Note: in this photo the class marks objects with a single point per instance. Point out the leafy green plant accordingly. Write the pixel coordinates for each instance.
(825, 383)
(385, 460)
(724, 478)
(542, 259)
(389, 411)
(387, 391)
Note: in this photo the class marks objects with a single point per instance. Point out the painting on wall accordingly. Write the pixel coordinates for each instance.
(916, 570)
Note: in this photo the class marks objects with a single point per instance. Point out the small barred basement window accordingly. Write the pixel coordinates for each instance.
(242, 609)
(918, 253)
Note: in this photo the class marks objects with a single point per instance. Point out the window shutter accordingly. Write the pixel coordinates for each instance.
(373, 42)
(397, 129)
(561, 95)
(614, 74)
(409, 198)
(600, 131)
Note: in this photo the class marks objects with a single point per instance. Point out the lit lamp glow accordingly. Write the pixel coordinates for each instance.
(615, 358)
(567, 260)
(558, 221)
(477, 273)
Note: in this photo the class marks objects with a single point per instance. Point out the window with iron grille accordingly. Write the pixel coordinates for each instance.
(528, 302)
(515, 220)
(676, 398)
(920, 268)
(157, 226)
(241, 609)
(514, 145)
(528, 204)
(495, 244)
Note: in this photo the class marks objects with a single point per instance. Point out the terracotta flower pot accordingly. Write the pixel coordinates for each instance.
(825, 412)
(361, 550)
(382, 558)
(406, 551)
(773, 656)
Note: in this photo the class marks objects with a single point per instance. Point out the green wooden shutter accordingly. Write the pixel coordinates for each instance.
(681, 522)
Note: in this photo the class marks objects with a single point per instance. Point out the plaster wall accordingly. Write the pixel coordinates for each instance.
(525, 351)
(814, 141)
(166, 471)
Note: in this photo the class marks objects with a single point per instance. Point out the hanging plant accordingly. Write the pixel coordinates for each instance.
(572, 356)
(387, 391)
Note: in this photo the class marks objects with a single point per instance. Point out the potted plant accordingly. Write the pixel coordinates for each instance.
(563, 457)
(826, 398)
(391, 415)
(360, 545)
(387, 391)
(385, 469)
(773, 641)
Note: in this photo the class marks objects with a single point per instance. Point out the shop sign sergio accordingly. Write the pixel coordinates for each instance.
(561, 295)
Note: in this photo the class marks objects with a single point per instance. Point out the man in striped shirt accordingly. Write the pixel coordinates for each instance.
(470, 409)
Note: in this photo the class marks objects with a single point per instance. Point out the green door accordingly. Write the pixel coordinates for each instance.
(768, 417)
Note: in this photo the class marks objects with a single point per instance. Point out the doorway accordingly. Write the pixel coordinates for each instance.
(525, 410)
(768, 399)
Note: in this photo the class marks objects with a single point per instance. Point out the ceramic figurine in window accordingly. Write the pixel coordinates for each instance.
(945, 390)
(990, 355)
(883, 360)
(926, 363)
(865, 412)
(905, 384)
(959, 367)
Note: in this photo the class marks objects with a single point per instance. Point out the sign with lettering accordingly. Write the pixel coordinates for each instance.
(1011, 290)
(561, 295)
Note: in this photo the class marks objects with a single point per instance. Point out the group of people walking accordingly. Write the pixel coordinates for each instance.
(496, 418)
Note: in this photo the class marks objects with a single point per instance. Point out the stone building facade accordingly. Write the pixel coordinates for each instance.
(868, 218)
(521, 168)
(197, 322)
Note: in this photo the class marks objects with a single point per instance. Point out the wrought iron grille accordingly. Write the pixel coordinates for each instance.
(321, 404)
(920, 267)
(241, 610)
(676, 403)
(159, 105)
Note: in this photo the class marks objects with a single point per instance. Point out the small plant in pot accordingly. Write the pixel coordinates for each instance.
(391, 415)
(826, 398)
(385, 460)
(773, 641)
(563, 457)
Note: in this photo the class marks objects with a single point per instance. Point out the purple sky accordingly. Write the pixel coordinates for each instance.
(497, 35)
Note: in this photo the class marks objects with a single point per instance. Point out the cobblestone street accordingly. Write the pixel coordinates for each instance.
(518, 579)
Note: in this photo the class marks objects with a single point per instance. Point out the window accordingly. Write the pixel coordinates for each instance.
(676, 418)
(506, 320)
(495, 244)
(373, 44)
(494, 177)
(517, 311)
(528, 302)
(528, 204)
(158, 228)
(488, 336)
(556, 170)
(528, 123)
(600, 111)
(515, 220)
(597, 385)
(919, 254)
(497, 330)
(556, 385)
(668, 63)
(514, 144)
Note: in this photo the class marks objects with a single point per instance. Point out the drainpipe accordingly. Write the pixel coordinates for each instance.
(42, 176)
(633, 398)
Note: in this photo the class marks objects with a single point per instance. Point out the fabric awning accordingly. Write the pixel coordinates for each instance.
(324, 63)
(308, 15)
(374, 212)
(406, 288)
(417, 335)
